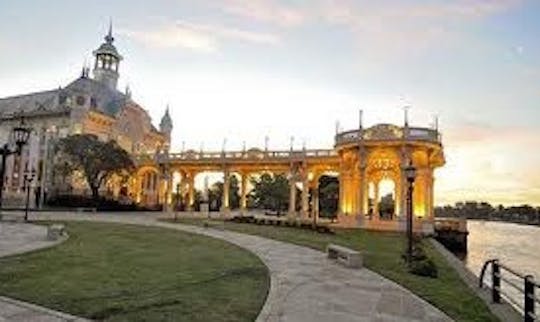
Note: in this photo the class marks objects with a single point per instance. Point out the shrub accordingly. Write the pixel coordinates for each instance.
(103, 204)
(424, 267)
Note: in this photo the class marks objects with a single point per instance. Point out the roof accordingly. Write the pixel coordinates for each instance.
(108, 48)
(39, 101)
(108, 100)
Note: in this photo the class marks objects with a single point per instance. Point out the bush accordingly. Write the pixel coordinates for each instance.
(418, 253)
(102, 204)
(425, 267)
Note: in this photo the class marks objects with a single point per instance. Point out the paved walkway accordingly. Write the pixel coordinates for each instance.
(16, 238)
(305, 285)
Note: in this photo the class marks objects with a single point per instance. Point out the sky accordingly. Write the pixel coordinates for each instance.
(243, 70)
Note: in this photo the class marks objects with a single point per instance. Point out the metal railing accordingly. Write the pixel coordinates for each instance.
(511, 280)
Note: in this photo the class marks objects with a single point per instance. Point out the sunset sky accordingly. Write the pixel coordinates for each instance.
(244, 69)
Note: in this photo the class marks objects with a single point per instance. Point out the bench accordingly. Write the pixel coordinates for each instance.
(272, 213)
(346, 256)
(55, 231)
(86, 209)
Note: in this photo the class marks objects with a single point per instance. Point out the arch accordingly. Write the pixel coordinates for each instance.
(386, 204)
(146, 186)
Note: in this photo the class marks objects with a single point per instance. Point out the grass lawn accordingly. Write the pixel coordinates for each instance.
(118, 272)
(382, 254)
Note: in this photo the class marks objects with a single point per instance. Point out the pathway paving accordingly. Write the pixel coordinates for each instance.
(305, 285)
(16, 238)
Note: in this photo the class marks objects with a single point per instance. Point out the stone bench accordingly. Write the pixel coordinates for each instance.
(55, 231)
(346, 256)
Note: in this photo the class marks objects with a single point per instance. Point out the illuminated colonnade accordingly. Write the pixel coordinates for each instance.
(360, 157)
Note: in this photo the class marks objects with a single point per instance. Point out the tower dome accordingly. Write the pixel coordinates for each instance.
(107, 62)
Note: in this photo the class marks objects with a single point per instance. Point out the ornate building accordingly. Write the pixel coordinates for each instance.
(362, 159)
(91, 105)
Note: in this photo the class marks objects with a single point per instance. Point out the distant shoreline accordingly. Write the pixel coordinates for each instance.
(527, 223)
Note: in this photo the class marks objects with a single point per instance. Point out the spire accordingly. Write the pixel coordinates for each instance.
(109, 38)
(166, 124)
(406, 115)
(83, 72)
(128, 91)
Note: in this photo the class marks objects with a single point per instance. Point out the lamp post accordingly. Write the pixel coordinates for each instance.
(19, 136)
(410, 174)
(28, 178)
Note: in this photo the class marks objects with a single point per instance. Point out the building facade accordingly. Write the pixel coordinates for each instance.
(91, 104)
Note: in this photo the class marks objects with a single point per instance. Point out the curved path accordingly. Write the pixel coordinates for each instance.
(305, 285)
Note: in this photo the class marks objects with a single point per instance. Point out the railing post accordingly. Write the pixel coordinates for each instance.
(529, 299)
(496, 282)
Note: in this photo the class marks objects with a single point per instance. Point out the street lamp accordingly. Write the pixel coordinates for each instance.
(410, 175)
(28, 178)
(19, 136)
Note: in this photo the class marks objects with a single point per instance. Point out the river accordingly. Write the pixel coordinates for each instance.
(516, 246)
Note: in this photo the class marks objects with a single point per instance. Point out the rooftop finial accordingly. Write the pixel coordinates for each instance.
(83, 72)
(128, 91)
(109, 38)
(406, 111)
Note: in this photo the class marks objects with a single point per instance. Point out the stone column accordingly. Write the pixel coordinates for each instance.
(315, 201)
(428, 193)
(305, 195)
(401, 188)
(362, 190)
(431, 195)
(341, 210)
(376, 200)
(191, 190)
(363, 194)
(398, 187)
(243, 192)
(292, 197)
(167, 181)
(44, 168)
(225, 198)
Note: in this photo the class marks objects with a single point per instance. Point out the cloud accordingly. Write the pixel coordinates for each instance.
(197, 37)
(274, 12)
(378, 26)
(349, 12)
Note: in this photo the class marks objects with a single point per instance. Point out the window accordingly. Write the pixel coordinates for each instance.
(80, 100)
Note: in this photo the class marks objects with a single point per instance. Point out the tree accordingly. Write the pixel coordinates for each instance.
(270, 192)
(95, 159)
(215, 194)
(328, 195)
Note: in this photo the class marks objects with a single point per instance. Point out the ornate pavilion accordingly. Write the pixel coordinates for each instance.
(362, 159)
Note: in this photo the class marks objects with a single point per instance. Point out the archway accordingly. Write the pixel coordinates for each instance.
(386, 204)
(147, 187)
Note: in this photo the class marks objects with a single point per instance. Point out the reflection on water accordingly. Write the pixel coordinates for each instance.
(514, 245)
